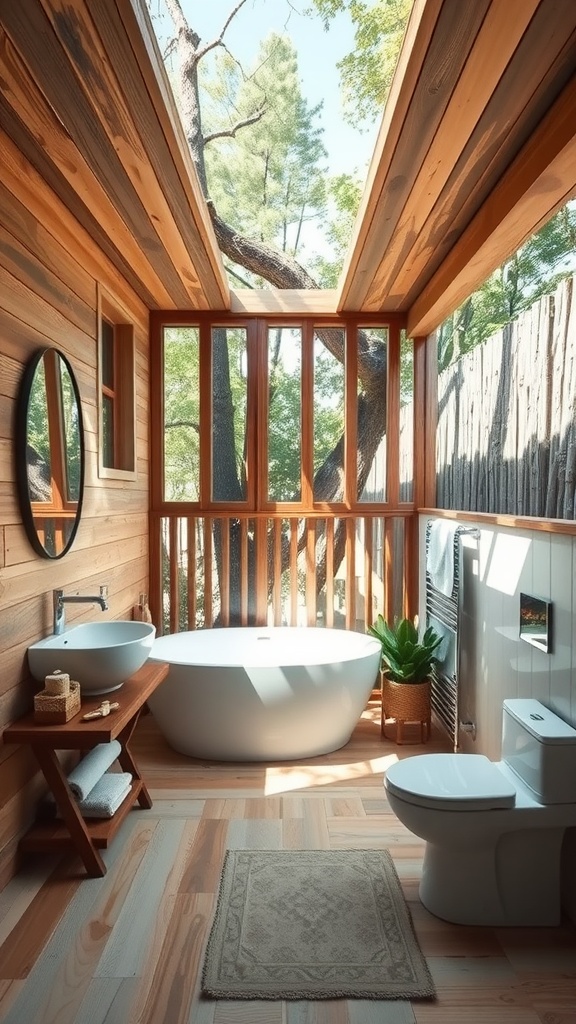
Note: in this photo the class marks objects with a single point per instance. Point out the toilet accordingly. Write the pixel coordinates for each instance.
(493, 831)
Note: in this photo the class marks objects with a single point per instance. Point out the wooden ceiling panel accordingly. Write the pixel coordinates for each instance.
(62, 84)
(25, 142)
(419, 32)
(37, 130)
(103, 76)
(150, 100)
(521, 58)
(473, 91)
(472, 156)
(539, 181)
(34, 38)
(450, 45)
(514, 112)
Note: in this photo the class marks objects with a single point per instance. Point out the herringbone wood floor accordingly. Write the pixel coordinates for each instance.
(128, 947)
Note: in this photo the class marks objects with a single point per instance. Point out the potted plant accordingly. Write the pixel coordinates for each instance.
(407, 662)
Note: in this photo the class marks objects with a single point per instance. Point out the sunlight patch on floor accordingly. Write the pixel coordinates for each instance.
(286, 779)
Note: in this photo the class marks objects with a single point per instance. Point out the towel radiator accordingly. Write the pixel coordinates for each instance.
(443, 613)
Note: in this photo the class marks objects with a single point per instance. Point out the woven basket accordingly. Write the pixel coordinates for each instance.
(57, 709)
(406, 702)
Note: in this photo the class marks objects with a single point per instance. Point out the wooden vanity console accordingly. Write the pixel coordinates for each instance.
(87, 835)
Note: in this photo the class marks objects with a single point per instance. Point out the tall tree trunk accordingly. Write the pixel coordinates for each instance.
(281, 271)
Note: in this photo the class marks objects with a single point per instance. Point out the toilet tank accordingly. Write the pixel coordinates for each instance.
(541, 749)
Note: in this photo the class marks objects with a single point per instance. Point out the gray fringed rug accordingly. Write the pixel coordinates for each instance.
(313, 924)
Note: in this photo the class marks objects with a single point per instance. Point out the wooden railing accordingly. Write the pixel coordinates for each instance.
(336, 570)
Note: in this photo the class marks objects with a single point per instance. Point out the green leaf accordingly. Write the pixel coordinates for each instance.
(405, 657)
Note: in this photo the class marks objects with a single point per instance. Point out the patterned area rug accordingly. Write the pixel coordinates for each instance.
(313, 924)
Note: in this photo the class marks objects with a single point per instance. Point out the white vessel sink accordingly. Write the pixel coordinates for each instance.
(99, 655)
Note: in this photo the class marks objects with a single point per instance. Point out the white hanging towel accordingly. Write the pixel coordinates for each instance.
(91, 768)
(440, 557)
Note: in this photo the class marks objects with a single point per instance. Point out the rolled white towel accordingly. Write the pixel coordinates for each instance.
(91, 768)
(106, 796)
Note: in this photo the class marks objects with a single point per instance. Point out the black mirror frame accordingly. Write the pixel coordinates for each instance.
(21, 445)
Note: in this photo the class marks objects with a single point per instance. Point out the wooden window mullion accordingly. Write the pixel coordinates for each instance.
(351, 416)
(307, 416)
(393, 418)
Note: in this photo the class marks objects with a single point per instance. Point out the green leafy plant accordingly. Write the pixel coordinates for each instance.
(405, 657)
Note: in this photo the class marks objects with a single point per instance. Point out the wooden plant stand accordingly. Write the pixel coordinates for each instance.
(87, 836)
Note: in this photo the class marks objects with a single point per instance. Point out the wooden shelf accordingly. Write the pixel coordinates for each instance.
(79, 735)
(54, 835)
(87, 835)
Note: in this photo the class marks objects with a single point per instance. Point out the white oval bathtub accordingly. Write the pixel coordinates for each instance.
(263, 694)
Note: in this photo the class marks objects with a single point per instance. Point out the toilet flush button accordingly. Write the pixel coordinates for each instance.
(536, 718)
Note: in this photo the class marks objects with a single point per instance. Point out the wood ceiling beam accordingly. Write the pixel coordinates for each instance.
(96, 66)
(539, 181)
(419, 31)
(184, 182)
(439, 38)
(500, 34)
(274, 301)
(540, 68)
(105, 151)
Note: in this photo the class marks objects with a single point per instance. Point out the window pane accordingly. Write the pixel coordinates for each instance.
(372, 416)
(329, 376)
(229, 409)
(107, 432)
(406, 418)
(107, 355)
(181, 414)
(284, 413)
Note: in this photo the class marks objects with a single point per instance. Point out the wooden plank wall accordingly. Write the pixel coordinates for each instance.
(49, 273)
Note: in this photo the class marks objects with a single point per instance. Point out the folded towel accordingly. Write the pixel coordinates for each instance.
(106, 796)
(440, 557)
(445, 654)
(91, 768)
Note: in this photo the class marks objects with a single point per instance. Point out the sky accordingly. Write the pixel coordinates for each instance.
(349, 150)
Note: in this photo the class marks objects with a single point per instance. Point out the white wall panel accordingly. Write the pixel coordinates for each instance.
(495, 663)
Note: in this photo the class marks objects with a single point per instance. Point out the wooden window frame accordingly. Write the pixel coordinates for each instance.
(256, 328)
(123, 391)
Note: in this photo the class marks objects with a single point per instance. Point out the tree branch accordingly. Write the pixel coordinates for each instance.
(238, 277)
(183, 423)
(218, 41)
(230, 133)
(277, 268)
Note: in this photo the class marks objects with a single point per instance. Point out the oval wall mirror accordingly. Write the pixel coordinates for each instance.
(50, 453)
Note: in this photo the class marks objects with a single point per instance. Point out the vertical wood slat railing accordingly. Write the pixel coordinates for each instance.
(277, 569)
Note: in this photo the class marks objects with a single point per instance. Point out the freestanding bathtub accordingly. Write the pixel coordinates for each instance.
(263, 694)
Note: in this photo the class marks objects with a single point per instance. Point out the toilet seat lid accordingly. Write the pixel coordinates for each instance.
(451, 782)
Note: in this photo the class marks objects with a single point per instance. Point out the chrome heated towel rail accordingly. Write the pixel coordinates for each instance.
(443, 613)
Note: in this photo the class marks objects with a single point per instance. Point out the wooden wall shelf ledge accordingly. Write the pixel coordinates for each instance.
(87, 836)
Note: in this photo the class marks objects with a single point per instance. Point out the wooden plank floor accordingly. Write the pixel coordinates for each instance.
(129, 947)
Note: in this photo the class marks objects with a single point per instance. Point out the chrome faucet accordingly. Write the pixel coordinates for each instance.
(60, 598)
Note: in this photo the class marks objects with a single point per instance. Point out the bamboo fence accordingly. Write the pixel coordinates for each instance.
(506, 438)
